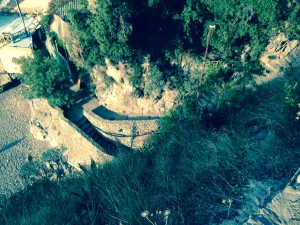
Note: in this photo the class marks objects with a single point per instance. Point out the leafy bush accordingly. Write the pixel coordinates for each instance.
(154, 82)
(52, 166)
(44, 77)
(84, 48)
(46, 22)
(291, 96)
(128, 31)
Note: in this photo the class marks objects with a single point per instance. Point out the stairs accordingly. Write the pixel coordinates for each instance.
(88, 128)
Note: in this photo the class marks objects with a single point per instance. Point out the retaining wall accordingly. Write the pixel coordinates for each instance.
(131, 133)
(50, 124)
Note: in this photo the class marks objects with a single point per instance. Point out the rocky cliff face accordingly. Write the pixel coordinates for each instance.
(112, 85)
(279, 54)
(114, 91)
(265, 204)
(283, 209)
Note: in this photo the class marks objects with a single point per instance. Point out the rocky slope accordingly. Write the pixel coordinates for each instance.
(283, 209)
(114, 90)
(16, 142)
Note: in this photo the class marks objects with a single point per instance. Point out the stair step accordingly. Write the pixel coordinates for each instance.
(81, 121)
(88, 130)
(99, 138)
(96, 137)
(100, 142)
(85, 126)
(105, 144)
(93, 134)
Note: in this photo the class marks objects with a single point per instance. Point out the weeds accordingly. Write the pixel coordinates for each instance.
(197, 168)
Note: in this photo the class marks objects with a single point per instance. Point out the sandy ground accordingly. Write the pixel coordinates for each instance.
(16, 142)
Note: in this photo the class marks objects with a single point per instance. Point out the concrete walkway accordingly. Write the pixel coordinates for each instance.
(107, 114)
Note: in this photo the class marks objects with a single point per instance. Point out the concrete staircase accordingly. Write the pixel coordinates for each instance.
(88, 128)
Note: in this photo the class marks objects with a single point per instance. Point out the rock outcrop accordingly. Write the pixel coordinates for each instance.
(49, 124)
(114, 90)
(265, 204)
(279, 54)
(283, 209)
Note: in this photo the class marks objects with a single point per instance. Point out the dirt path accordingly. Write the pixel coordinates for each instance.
(16, 142)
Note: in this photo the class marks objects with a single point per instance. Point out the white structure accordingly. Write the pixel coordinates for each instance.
(13, 51)
(8, 3)
(14, 43)
(27, 6)
(34, 6)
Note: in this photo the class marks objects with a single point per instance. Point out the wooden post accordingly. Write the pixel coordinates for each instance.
(79, 83)
(211, 28)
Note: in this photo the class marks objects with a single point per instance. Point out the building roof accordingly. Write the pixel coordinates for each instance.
(12, 24)
(35, 5)
(12, 31)
(7, 19)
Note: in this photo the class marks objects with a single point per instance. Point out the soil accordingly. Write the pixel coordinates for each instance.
(16, 142)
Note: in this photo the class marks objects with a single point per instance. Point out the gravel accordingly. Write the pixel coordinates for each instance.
(16, 142)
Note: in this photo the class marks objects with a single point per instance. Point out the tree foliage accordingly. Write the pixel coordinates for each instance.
(200, 162)
(44, 77)
(130, 31)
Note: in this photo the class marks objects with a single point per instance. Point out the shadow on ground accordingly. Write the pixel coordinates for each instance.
(10, 145)
(110, 115)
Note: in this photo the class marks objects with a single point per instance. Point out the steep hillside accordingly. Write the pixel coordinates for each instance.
(227, 141)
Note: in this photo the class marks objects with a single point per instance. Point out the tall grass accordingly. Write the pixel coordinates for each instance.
(197, 168)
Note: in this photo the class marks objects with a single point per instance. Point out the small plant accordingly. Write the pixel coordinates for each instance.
(46, 22)
(160, 217)
(292, 92)
(154, 82)
(52, 166)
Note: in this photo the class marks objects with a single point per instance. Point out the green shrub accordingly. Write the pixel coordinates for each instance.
(154, 82)
(291, 94)
(46, 22)
(127, 32)
(52, 166)
(44, 77)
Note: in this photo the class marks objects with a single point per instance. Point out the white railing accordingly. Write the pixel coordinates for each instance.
(72, 4)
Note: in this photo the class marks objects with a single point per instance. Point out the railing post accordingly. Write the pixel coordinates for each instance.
(20, 13)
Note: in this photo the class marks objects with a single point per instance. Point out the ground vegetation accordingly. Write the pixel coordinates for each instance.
(209, 148)
(196, 168)
(163, 31)
(44, 77)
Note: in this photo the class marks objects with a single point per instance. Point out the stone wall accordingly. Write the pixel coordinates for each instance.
(61, 28)
(131, 133)
(49, 124)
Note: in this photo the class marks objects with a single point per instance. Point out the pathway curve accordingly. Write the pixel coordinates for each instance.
(16, 142)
